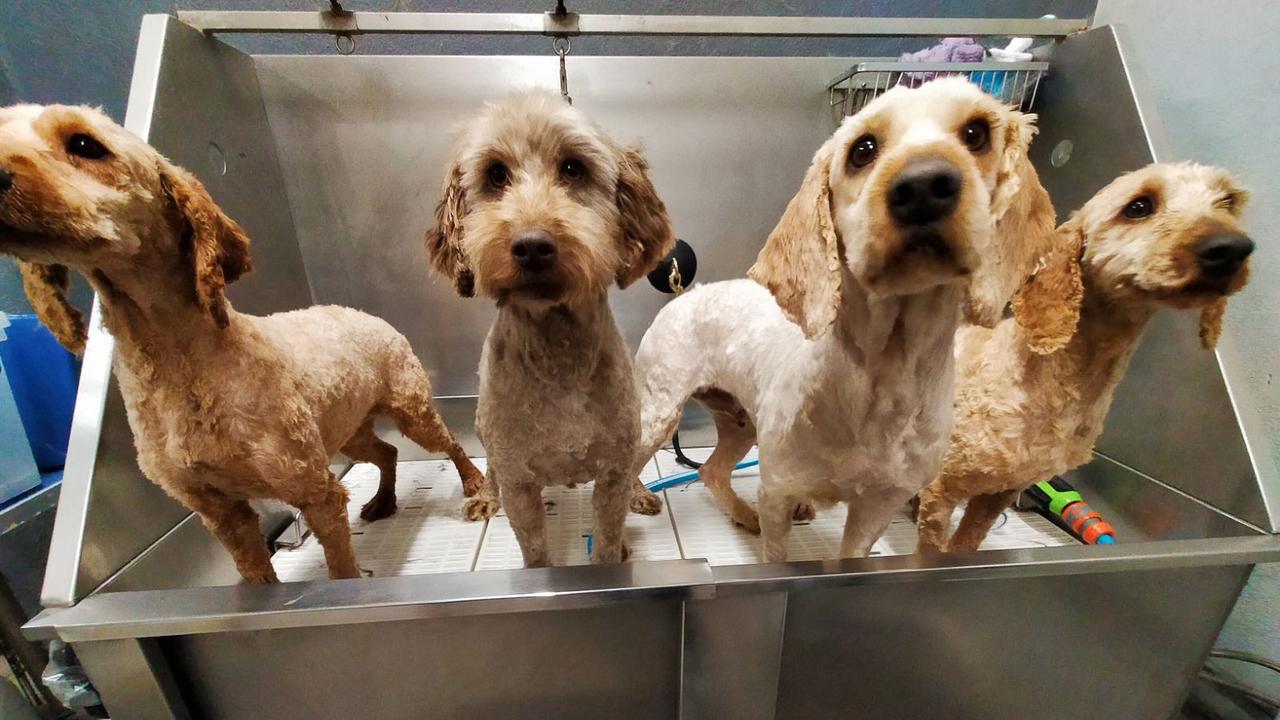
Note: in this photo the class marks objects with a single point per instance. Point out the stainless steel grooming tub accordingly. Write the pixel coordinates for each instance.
(332, 164)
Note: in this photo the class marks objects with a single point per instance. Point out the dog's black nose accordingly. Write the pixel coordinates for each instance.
(924, 191)
(1221, 254)
(6, 180)
(533, 250)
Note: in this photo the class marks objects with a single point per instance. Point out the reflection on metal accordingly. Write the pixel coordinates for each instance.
(251, 21)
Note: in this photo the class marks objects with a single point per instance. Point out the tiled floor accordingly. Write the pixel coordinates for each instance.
(428, 534)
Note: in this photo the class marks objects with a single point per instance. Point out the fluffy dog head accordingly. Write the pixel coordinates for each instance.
(78, 190)
(541, 208)
(1168, 233)
(923, 187)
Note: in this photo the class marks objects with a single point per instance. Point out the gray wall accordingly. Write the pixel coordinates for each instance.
(1210, 73)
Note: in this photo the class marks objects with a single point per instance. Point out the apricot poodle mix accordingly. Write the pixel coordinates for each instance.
(224, 407)
(542, 212)
(1029, 406)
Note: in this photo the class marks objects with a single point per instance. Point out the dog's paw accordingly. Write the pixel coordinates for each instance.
(480, 508)
(804, 512)
(748, 520)
(646, 503)
(379, 507)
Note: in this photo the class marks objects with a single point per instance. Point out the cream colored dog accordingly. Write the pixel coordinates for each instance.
(224, 407)
(839, 347)
(1030, 406)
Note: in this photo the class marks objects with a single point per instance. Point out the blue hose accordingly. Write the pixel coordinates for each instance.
(671, 481)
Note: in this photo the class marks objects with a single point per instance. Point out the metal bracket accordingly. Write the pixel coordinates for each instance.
(561, 24)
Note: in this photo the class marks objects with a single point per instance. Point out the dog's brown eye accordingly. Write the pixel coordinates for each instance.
(82, 145)
(572, 169)
(975, 135)
(1139, 208)
(498, 175)
(863, 151)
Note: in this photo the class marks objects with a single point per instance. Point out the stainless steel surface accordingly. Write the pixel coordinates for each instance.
(189, 92)
(604, 662)
(110, 616)
(26, 530)
(368, 198)
(1142, 508)
(1172, 416)
(1123, 645)
(133, 679)
(361, 144)
(544, 24)
(732, 654)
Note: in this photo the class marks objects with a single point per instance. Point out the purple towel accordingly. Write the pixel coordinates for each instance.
(952, 49)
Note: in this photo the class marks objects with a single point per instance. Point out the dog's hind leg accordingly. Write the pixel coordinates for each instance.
(868, 517)
(416, 416)
(979, 515)
(366, 446)
(735, 434)
(664, 382)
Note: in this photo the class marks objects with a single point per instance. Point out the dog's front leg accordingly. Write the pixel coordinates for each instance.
(528, 516)
(609, 501)
(235, 525)
(776, 510)
(326, 515)
(933, 518)
(868, 517)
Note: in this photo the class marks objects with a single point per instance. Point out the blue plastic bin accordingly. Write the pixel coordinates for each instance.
(43, 377)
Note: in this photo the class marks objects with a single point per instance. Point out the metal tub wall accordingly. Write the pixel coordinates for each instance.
(333, 166)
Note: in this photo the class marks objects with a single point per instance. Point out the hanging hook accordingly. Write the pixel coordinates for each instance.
(561, 45)
(346, 43)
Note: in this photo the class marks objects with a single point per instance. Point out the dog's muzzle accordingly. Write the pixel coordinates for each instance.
(534, 251)
(924, 191)
(1220, 255)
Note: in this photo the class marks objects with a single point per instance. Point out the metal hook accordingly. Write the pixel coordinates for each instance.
(346, 48)
(561, 45)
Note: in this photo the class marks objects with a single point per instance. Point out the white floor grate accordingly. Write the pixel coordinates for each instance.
(428, 534)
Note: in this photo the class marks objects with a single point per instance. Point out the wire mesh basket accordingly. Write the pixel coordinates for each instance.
(1015, 83)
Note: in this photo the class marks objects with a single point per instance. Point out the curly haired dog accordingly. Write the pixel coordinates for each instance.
(542, 211)
(839, 347)
(1029, 406)
(224, 407)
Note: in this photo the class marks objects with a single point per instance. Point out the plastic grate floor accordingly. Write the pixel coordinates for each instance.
(428, 534)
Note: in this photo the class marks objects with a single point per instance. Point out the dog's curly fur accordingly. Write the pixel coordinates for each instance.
(839, 351)
(1029, 406)
(224, 407)
(557, 404)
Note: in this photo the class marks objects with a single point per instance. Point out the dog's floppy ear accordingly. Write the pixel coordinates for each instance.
(444, 239)
(46, 288)
(800, 262)
(217, 247)
(645, 227)
(1047, 307)
(1024, 225)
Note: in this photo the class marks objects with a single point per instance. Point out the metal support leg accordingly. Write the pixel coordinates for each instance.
(731, 655)
(133, 679)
